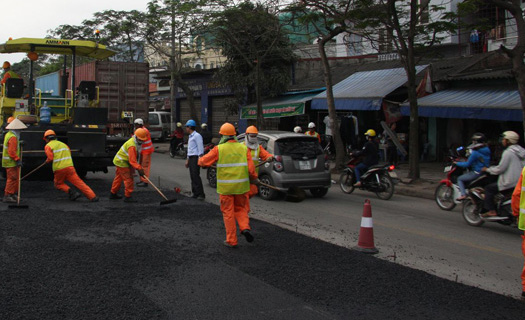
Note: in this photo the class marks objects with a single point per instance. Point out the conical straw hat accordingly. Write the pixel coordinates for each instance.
(16, 124)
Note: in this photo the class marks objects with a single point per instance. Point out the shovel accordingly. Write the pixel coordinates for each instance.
(18, 205)
(167, 201)
(294, 194)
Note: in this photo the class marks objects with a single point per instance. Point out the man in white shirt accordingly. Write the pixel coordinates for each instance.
(195, 150)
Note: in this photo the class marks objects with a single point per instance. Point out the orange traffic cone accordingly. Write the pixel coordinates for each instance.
(366, 233)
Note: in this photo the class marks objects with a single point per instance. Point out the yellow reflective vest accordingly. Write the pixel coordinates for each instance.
(122, 157)
(255, 157)
(232, 169)
(7, 161)
(521, 221)
(61, 155)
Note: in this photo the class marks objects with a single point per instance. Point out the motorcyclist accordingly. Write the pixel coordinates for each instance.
(176, 136)
(370, 152)
(479, 158)
(508, 170)
(206, 134)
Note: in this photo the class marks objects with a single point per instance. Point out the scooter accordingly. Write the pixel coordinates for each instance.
(448, 190)
(180, 150)
(376, 179)
(473, 205)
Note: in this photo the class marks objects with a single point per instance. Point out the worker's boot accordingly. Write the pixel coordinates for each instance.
(95, 199)
(9, 198)
(73, 195)
(129, 200)
(248, 235)
(115, 196)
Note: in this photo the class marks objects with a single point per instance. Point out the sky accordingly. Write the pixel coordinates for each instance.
(33, 18)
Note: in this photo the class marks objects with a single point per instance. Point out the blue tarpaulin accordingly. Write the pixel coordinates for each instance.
(501, 104)
(364, 90)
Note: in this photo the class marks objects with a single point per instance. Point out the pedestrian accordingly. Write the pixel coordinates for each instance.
(235, 170)
(60, 155)
(508, 171)
(311, 131)
(125, 161)
(479, 158)
(391, 149)
(195, 151)
(206, 134)
(370, 154)
(297, 129)
(257, 153)
(11, 159)
(518, 210)
(146, 149)
(8, 73)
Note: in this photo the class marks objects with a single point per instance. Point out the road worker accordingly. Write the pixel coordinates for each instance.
(146, 150)
(125, 161)
(8, 73)
(518, 210)
(11, 159)
(257, 152)
(60, 155)
(235, 169)
(311, 131)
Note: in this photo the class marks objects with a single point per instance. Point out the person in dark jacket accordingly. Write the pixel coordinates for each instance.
(207, 136)
(370, 152)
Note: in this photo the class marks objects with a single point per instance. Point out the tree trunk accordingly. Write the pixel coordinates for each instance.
(339, 148)
(258, 97)
(413, 143)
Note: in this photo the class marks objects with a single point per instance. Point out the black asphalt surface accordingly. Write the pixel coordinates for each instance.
(112, 260)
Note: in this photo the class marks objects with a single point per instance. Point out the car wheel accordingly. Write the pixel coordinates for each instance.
(265, 192)
(211, 175)
(318, 192)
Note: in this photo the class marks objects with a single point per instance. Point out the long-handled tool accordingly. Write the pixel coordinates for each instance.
(34, 170)
(294, 194)
(18, 205)
(168, 201)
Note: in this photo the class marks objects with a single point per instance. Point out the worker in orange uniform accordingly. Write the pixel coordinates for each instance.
(8, 73)
(125, 161)
(311, 131)
(146, 149)
(235, 170)
(518, 210)
(59, 154)
(11, 159)
(257, 153)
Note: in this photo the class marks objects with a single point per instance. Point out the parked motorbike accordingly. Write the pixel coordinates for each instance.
(473, 205)
(448, 190)
(181, 150)
(376, 179)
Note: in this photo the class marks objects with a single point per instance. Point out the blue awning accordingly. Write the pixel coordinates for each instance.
(501, 104)
(364, 90)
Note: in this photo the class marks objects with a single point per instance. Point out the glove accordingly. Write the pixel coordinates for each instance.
(141, 172)
(256, 182)
(19, 163)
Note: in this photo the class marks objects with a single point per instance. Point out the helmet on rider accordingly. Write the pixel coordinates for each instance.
(227, 129)
(478, 140)
(311, 125)
(204, 126)
(139, 121)
(297, 129)
(370, 133)
(511, 136)
(179, 125)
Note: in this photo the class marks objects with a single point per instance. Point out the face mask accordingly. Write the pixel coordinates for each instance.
(251, 139)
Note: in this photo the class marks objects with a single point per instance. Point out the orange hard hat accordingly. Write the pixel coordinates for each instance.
(49, 133)
(6, 65)
(252, 129)
(141, 134)
(10, 119)
(227, 129)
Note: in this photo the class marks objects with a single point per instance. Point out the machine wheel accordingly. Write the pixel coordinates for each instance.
(264, 192)
(471, 213)
(318, 192)
(211, 175)
(388, 184)
(346, 182)
(444, 197)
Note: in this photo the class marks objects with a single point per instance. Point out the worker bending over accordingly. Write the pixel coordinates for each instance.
(11, 159)
(235, 169)
(60, 155)
(257, 152)
(146, 149)
(125, 161)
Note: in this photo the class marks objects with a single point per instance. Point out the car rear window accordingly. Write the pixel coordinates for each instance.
(298, 148)
(153, 119)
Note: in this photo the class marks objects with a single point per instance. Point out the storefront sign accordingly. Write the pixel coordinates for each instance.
(287, 110)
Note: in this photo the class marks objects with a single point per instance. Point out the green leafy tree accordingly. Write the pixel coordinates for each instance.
(258, 52)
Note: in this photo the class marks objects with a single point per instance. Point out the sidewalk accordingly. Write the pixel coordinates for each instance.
(431, 173)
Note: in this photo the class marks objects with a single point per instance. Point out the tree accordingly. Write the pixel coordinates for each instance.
(258, 52)
(516, 53)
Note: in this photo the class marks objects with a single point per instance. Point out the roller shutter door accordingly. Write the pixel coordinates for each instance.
(219, 114)
(185, 110)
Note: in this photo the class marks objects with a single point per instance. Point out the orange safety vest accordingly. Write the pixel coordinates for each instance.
(147, 146)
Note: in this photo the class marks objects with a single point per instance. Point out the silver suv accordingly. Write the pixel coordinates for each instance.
(299, 162)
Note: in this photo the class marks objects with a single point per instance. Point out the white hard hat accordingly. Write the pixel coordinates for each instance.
(139, 121)
(297, 129)
(16, 124)
(311, 125)
(204, 125)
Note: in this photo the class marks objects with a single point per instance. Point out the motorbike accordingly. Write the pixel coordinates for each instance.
(376, 179)
(473, 205)
(180, 150)
(447, 190)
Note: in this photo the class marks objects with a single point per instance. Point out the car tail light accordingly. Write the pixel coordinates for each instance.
(278, 164)
(391, 168)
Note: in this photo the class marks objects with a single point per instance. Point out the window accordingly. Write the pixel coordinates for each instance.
(298, 148)
(165, 118)
(153, 119)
